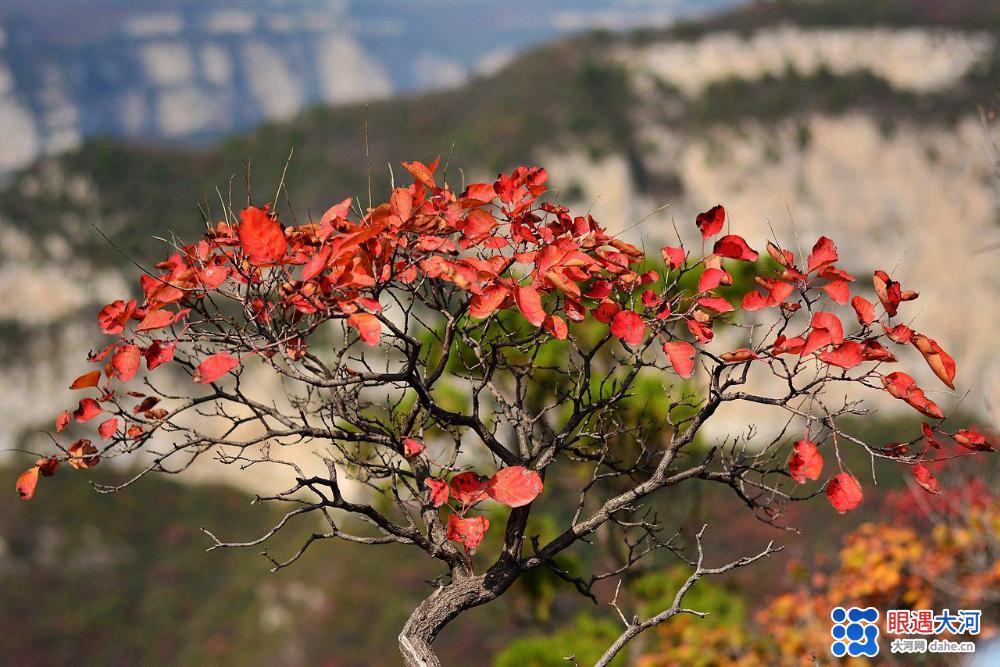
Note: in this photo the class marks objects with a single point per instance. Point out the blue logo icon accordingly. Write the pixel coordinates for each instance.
(854, 632)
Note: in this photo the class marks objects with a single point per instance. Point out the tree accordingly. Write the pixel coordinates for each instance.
(444, 333)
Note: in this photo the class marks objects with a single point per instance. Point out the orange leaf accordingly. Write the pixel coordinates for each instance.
(488, 301)
(529, 302)
(27, 482)
(556, 326)
(368, 327)
(86, 380)
(262, 238)
(940, 361)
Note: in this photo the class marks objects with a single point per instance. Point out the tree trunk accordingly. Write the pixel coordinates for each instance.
(435, 612)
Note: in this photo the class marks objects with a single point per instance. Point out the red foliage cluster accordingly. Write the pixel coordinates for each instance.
(504, 249)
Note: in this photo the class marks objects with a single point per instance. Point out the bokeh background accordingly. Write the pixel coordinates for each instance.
(871, 121)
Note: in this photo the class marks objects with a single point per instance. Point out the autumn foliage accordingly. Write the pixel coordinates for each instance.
(256, 291)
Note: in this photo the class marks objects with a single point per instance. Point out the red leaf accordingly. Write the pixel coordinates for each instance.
(86, 380)
(488, 301)
(87, 410)
(903, 387)
(62, 421)
(681, 355)
(844, 492)
(673, 257)
(262, 238)
(972, 439)
(873, 351)
(556, 326)
(108, 428)
(702, 333)
(925, 479)
(468, 488)
(412, 447)
(125, 362)
(113, 316)
(784, 345)
(940, 361)
(469, 531)
(827, 329)
(838, 290)
(423, 173)
(865, 310)
(710, 222)
(712, 278)
(823, 254)
(629, 327)
(805, 462)
(214, 367)
(846, 355)
(478, 223)
(734, 247)
(605, 312)
(158, 353)
(716, 303)
(514, 486)
(368, 327)
(155, 319)
(27, 482)
(529, 302)
(900, 333)
(439, 491)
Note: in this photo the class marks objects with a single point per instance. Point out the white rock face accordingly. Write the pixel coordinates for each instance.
(918, 60)
(167, 63)
(272, 82)
(347, 74)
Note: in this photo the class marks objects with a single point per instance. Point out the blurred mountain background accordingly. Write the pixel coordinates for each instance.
(868, 120)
